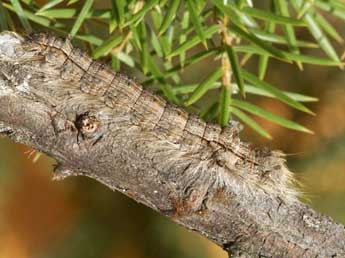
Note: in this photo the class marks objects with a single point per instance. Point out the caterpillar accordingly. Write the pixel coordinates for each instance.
(143, 132)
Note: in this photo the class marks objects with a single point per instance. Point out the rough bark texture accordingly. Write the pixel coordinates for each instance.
(103, 125)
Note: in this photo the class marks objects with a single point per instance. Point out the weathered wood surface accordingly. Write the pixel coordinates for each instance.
(101, 124)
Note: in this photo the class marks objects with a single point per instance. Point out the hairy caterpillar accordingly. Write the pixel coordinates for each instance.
(142, 130)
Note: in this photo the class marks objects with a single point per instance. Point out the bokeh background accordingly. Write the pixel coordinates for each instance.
(79, 217)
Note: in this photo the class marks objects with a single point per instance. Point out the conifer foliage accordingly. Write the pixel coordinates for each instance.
(164, 41)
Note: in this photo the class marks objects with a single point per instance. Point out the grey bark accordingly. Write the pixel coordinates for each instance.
(100, 124)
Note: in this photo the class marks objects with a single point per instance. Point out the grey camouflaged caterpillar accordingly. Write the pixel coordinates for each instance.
(141, 130)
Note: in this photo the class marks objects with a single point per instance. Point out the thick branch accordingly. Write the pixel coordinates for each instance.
(101, 124)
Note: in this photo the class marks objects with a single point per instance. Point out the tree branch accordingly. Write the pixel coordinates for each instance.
(100, 124)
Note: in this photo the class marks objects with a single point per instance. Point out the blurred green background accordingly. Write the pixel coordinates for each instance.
(79, 217)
